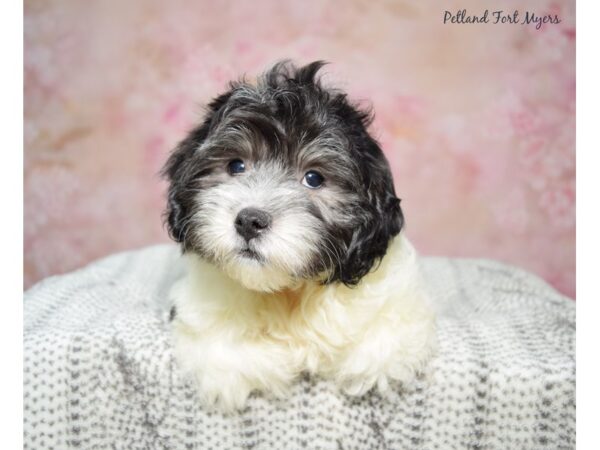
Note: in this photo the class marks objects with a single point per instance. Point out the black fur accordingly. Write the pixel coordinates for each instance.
(285, 112)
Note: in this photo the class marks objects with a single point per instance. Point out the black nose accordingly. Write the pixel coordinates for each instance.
(250, 222)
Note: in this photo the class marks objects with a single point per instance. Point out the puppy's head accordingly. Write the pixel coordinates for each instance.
(281, 182)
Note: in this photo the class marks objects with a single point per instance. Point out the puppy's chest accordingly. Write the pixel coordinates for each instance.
(308, 328)
(304, 320)
(307, 333)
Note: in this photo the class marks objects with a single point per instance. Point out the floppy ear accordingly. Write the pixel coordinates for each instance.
(382, 220)
(180, 170)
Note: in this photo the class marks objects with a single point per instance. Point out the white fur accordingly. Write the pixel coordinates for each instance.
(234, 340)
(287, 248)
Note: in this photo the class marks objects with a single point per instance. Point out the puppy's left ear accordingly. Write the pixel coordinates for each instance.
(182, 168)
(177, 172)
(382, 220)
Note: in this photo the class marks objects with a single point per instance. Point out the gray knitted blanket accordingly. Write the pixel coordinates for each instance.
(99, 371)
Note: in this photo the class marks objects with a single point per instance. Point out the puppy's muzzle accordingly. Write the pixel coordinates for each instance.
(250, 222)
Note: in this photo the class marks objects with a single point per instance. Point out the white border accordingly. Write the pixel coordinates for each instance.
(11, 189)
(588, 224)
(588, 221)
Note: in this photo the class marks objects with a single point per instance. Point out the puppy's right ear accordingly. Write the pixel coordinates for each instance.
(180, 170)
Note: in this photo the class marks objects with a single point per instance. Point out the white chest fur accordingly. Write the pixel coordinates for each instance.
(234, 340)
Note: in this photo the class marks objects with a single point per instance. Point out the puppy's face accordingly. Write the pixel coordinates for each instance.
(281, 183)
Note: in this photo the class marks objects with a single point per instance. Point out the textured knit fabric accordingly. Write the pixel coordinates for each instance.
(99, 370)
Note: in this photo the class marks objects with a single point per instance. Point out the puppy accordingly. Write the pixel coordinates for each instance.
(285, 209)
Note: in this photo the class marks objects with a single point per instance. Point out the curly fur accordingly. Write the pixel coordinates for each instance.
(332, 286)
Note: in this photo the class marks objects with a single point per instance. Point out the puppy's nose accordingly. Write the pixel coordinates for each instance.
(250, 222)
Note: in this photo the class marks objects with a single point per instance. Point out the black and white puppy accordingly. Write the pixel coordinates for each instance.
(285, 208)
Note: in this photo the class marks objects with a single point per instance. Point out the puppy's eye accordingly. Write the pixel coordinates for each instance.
(312, 179)
(236, 166)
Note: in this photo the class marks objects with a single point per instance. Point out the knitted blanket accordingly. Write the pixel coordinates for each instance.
(99, 370)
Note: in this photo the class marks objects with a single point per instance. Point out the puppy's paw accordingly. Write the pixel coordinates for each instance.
(226, 392)
(227, 372)
(386, 357)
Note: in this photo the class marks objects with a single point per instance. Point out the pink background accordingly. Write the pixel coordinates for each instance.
(478, 121)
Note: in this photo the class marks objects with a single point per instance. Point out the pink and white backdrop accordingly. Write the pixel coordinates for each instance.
(477, 121)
